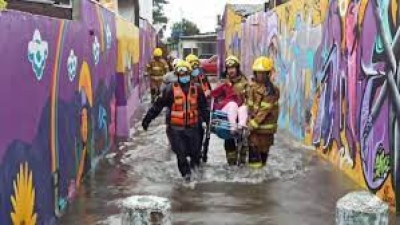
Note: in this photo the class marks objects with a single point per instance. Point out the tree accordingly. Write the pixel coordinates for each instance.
(158, 12)
(184, 28)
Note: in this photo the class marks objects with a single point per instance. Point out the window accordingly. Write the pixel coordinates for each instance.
(208, 48)
(195, 51)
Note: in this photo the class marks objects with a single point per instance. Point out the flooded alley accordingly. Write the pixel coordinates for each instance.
(296, 187)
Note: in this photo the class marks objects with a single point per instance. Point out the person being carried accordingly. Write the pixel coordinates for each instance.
(230, 98)
(230, 95)
(186, 103)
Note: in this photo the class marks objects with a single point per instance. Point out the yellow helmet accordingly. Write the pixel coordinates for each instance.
(231, 61)
(157, 52)
(182, 66)
(263, 64)
(193, 60)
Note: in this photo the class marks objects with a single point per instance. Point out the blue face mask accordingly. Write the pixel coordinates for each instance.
(196, 72)
(184, 79)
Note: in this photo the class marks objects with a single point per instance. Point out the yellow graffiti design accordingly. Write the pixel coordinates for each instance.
(361, 12)
(287, 13)
(110, 4)
(345, 150)
(85, 82)
(233, 27)
(128, 44)
(23, 201)
(84, 135)
(394, 6)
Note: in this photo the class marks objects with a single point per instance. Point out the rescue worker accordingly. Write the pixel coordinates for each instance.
(187, 103)
(198, 74)
(238, 81)
(156, 69)
(201, 79)
(262, 102)
(168, 78)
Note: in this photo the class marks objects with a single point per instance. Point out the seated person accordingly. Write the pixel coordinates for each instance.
(229, 97)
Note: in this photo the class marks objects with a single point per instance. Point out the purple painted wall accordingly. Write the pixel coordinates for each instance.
(58, 108)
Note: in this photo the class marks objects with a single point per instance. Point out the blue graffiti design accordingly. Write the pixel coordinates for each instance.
(384, 14)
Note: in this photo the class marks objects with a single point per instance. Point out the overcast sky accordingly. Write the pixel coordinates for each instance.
(202, 12)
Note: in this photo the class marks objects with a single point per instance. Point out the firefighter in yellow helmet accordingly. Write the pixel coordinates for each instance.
(156, 69)
(186, 104)
(198, 74)
(199, 78)
(262, 102)
(230, 98)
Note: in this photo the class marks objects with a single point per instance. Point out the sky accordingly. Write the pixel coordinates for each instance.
(201, 12)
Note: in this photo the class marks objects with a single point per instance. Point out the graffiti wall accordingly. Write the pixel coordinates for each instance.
(148, 42)
(337, 68)
(58, 106)
(232, 31)
(127, 76)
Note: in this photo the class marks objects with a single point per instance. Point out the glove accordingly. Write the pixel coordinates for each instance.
(145, 124)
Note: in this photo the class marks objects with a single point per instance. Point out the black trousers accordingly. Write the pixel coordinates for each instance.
(201, 131)
(185, 143)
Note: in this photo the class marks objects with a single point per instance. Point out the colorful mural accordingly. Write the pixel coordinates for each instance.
(233, 28)
(337, 66)
(59, 105)
(127, 74)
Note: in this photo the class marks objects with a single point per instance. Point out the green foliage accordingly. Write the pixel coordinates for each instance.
(382, 165)
(158, 12)
(184, 28)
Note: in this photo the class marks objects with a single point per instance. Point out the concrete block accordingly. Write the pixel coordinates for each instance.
(360, 208)
(146, 210)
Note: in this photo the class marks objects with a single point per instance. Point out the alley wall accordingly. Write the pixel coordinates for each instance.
(337, 68)
(62, 103)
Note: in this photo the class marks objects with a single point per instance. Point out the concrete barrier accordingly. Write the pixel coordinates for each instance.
(362, 207)
(146, 210)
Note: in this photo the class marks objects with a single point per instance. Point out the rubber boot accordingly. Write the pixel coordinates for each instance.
(243, 154)
(264, 158)
(231, 152)
(254, 158)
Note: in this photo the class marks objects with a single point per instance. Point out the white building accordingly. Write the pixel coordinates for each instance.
(203, 45)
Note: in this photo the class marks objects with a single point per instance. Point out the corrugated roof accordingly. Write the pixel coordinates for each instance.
(246, 9)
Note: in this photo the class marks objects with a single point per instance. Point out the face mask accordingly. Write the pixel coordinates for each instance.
(184, 79)
(196, 72)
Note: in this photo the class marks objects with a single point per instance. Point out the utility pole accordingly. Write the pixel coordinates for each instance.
(181, 19)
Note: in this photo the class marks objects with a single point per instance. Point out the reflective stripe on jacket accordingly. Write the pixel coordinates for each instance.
(263, 108)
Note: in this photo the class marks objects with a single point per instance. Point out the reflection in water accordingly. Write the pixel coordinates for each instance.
(286, 190)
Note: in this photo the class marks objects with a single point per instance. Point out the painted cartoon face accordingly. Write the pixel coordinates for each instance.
(84, 125)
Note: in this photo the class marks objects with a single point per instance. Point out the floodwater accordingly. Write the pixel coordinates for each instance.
(296, 187)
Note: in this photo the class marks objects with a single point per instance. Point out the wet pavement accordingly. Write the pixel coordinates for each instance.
(297, 187)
